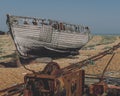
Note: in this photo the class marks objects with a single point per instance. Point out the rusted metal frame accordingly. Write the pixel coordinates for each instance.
(13, 87)
(39, 77)
(42, 76)
(68, 71)
(13, 93)
(77, 81)
(13, 90)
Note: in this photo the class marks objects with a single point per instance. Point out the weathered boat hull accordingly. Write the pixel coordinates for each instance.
(31, 38)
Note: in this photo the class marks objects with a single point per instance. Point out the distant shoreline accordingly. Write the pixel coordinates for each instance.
(107, 34)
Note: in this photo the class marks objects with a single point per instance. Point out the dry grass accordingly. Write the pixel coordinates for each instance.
(7, 48)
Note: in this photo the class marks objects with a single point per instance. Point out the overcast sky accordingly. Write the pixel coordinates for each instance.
(102, 16)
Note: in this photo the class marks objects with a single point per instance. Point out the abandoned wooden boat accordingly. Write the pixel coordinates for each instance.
(35, 36)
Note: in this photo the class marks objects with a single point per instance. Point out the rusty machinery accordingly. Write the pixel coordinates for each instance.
(68, 81)
(49, 82)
